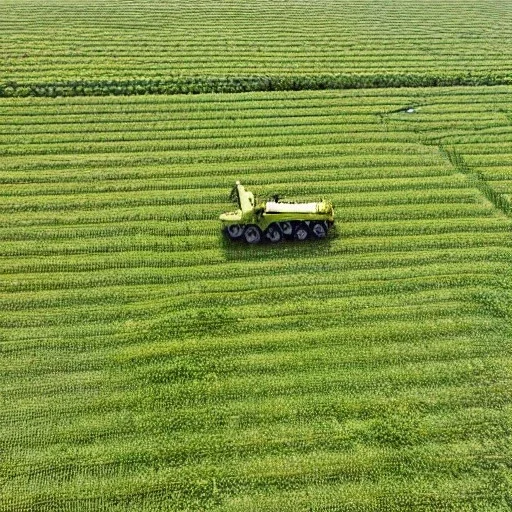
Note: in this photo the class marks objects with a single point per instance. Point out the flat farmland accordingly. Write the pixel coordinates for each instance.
(149, 364)
(69, 40)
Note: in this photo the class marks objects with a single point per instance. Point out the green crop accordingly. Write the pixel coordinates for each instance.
(149, 364)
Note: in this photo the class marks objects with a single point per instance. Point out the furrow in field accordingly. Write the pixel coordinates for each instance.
(131, 285)
(133, 268)
(147, 360)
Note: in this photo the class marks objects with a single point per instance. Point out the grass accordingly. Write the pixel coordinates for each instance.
(133, 47)
(127, 39)
(149, 364)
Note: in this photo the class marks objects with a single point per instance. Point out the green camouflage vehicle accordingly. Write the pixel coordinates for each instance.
(274, 220)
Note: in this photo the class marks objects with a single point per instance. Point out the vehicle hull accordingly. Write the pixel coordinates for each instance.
(269, 216)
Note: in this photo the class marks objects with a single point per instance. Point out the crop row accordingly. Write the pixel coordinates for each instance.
(128, 285)
(150, 214)
(310, 437)
(252, 59)
(147, 360)
(455, 96)
(189, 190)
(187, 176)
(345, 144)
(203, 356)
(245, 443)
(132, 268)
(93, 271)
(304, 120)
(254, 137)
(135, 257)
(195, 483)
(205, 249)
(268, 112)
(182, 205)
(55, 395)
(147, 180)
(349, 229)
(269, 324)
(244, 156)
(130, 390)
(455, 100)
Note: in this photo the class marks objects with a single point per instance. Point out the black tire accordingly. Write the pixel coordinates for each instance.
(319, 229)
(301, 231)
(252, 234)
(235, 231)
(286, 228)
(273, 233)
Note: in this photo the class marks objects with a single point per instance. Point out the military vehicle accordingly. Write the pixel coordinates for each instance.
(272, 220)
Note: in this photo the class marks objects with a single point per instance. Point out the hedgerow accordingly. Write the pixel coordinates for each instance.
(237, 84)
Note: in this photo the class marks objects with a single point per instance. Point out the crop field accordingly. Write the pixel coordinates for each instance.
(149, 364)
(69, 40)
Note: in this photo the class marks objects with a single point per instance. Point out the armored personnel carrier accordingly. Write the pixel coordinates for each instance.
(274, 220)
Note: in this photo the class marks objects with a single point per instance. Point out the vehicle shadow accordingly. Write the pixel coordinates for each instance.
(286, 249)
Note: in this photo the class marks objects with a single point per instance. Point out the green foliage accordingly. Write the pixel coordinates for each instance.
(389, 42)
(237, 84)
(147, 364)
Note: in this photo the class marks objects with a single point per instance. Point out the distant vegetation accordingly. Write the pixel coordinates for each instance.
(154, 47)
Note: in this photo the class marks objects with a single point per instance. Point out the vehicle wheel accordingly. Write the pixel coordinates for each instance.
(273, 233)
(301, 231)
(319, 229)
(235, 231)
(252, 234)
(286, 228)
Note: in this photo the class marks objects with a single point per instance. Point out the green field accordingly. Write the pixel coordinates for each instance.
(67, 40)
(148, 364)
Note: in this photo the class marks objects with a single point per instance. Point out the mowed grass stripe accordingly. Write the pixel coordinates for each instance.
(143, 355)
(131, 284)
(126, 39)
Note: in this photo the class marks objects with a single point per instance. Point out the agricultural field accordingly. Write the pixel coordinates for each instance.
(69, 40)
(149, 364)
